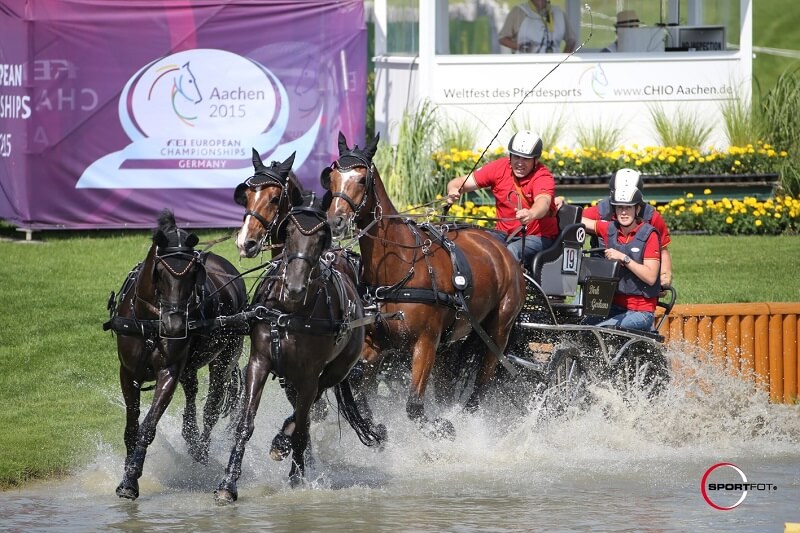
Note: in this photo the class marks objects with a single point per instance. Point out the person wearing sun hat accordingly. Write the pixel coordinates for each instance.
(625, 19)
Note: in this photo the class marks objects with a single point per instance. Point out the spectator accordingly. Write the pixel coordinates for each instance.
(523, 189)
(625, 19)
(535, 26)
(635, 245)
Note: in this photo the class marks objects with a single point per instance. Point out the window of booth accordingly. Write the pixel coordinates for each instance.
(402, 32)
(474, 25)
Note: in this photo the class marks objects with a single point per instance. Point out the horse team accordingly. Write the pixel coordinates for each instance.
(432, 290)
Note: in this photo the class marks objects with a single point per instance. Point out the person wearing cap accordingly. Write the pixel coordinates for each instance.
(537, 27)
(626, 177)
(524, 190)
(636, 246)
(625, 19)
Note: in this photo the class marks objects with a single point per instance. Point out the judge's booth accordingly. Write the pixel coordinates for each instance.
(686, 57)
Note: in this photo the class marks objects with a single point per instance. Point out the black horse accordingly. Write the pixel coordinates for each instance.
(309, 332)
(165, 319)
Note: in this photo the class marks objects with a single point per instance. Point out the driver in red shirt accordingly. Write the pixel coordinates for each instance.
(524, 191)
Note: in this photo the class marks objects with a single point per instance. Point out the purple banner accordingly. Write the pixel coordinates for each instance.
(111, 111)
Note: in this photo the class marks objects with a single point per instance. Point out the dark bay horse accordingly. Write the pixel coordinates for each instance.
(156, 317)
(448, 282)
(309, 332)
(267, 196)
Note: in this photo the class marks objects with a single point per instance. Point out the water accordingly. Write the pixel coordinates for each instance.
(625, 465)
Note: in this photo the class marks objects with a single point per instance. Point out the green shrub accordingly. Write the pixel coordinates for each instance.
(780, 118)
(679, 129)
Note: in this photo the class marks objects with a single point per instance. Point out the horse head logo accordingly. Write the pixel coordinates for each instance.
(185, 93)
(598, 80)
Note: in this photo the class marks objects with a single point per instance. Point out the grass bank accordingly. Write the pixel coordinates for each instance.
(59, 392)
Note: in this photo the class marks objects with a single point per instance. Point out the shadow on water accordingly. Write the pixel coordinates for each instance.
(625, 464)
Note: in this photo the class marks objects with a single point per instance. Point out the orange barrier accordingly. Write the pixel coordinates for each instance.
(757, 339)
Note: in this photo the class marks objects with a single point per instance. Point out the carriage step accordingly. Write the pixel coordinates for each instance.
(530, 364)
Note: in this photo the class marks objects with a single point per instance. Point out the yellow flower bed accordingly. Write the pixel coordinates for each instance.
(735, 217)
(686, 214)
(651, 160)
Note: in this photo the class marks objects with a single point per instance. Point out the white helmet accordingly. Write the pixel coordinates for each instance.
(626, 177)
(626, 194)
(526, 144)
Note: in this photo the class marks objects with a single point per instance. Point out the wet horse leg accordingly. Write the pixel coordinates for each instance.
(306, 395)
(258, 368)
(132, 397)
(166, 383)
(423, 357)
(190, 431)
(281, 445)
(217, 372)
(364, 380)
(498, 328)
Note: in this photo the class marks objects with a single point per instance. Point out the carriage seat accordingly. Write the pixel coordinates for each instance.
(557, 269)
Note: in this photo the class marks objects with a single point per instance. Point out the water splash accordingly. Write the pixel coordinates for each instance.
(704, 415)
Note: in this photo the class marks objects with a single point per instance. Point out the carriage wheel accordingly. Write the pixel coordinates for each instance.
(643, 371)
(567, 379)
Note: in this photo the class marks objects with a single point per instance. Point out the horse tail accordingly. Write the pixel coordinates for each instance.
(348, 408)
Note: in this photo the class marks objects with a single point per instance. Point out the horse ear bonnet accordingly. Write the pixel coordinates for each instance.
(309, 217)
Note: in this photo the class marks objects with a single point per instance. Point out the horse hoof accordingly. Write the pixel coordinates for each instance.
(225, 496)
(382, 433)
(471, 406)
(129, 492)
(444, 429)
(281, 447)
(295, 481)
(199, 453)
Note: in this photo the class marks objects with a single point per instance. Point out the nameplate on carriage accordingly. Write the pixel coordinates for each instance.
(598, 295)
(571, 260)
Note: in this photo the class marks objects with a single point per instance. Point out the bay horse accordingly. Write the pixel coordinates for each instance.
(267, 196)
(309, 332)
(449, 282)
(156, 317)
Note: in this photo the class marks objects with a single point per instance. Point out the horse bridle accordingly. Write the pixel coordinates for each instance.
(255, 183)
(361, 162)
(159, 306)
(323, 223)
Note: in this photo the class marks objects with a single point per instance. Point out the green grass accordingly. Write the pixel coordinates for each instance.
(58, 369)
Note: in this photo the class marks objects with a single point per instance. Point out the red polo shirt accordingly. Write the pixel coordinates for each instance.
(497, 175)
(633, 302)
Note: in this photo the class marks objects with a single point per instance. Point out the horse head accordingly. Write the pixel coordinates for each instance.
(350, 180)
(176, 276)
(266, 196)
(306, 235)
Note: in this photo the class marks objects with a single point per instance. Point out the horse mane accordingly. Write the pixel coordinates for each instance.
(169, 234)
(166, 221)
(296, 189)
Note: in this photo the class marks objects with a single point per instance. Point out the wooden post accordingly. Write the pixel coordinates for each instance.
(790, 358)
(775, 358)
(747, 343)
(762, 351)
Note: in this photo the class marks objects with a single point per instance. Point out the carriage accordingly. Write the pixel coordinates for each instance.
(554, 351)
